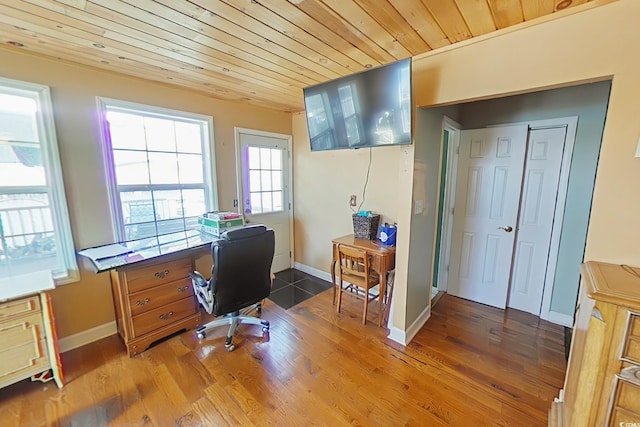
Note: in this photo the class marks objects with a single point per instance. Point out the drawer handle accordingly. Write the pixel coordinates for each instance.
(161, 274)
(143, 302)
(183, 288)
(631, 374)
(166, 315)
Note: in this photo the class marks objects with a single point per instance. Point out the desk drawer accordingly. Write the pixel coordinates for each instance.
(16, 308)
(17, 332)
(155, 297)
(627, 396)
(620, 417)
(162, 316)
(156, 274)
(18, 359)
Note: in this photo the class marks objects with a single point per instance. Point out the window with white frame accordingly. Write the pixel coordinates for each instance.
(264, 180)
(35, 233)
(161, 168)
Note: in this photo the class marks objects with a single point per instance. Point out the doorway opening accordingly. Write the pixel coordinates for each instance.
(568, 201)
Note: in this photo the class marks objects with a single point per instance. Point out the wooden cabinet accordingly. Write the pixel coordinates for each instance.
(154, 299)
(28, 342)
(602, 385)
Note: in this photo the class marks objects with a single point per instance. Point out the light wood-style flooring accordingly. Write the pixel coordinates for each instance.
(470, 365)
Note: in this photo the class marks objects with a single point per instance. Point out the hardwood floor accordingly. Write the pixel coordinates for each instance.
(470, 365)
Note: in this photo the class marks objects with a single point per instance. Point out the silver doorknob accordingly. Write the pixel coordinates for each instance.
(506, 228)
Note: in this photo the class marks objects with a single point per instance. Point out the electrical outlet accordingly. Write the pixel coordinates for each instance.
(352, 200)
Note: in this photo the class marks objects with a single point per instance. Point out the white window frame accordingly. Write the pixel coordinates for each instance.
(208, 154)
(68, 272)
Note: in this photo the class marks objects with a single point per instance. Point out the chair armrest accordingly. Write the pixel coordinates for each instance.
(198, 279)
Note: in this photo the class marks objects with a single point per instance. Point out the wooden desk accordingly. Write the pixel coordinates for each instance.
(152, 291)
(383, 260)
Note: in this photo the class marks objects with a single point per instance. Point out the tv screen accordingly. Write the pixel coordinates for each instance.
(368, 109)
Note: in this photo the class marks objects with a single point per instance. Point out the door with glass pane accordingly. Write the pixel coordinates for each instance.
(265, 198)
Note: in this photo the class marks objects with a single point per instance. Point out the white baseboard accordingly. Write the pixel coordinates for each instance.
(405, 337)
(557, 318)
(313, 271)
(85, 337)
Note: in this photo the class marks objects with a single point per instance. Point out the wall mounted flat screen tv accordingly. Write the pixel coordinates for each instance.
(367, 109)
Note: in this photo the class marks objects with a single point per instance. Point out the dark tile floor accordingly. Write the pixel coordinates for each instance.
(291, 287)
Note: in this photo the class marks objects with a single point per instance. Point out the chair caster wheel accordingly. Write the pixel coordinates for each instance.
(230, 347)
(201, 335)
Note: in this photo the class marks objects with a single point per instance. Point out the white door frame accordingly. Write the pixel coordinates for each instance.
(240, 197)
(453, 128)
(571, 123)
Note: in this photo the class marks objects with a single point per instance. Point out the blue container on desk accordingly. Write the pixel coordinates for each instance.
(388, 234)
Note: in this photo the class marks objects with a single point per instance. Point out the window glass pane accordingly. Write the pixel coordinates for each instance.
(137, 206)
(171, 226)
(254, 181)
(21, 165)
(277, 200)
(140, 230)
(188, 137)
(190, 169)
(18, 118)
(131, 167)
(160, 134)
(254, 158)
(265, 158)
(276, 181)
(276, 159)
(168, 204)
(126, 130)
(193, 202)
(27, 235)
(266, 180)
(256, 203)
(163, 168)
(267, 205)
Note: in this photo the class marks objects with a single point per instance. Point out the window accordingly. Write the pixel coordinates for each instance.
(265, 176)
(35, 234)
(160, 166)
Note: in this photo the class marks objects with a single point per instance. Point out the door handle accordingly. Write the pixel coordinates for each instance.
(506, 228)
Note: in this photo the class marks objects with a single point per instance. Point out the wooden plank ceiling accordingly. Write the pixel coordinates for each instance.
(261, 52)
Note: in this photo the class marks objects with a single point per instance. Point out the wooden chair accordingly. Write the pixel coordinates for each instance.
(354, 269)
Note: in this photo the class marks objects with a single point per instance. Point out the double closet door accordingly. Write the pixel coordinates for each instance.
(506, 188)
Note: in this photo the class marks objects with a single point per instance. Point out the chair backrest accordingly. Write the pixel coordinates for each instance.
(354, 263)
(241, 272)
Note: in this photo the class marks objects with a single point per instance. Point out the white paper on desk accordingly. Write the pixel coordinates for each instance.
(106, 251)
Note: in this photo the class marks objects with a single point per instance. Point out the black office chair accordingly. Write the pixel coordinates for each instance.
(240, 279)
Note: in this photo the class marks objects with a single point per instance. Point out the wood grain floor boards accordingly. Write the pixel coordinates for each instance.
(469, 365)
